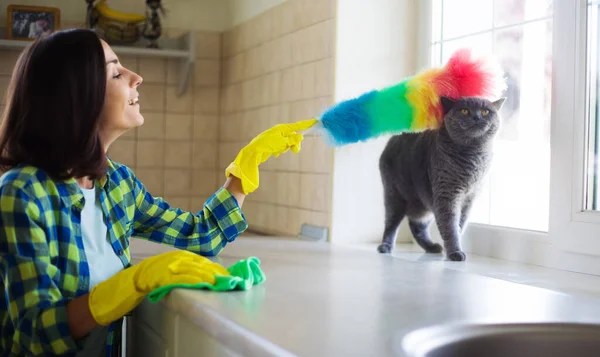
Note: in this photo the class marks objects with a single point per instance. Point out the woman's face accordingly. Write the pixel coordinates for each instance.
(121, 110)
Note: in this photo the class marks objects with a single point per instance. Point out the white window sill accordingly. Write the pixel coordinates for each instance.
(562, 281)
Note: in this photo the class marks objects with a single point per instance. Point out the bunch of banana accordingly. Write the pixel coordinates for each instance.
(105, 11)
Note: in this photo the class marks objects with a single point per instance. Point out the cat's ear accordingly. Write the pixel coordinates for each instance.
(498, 104)
(447, 104)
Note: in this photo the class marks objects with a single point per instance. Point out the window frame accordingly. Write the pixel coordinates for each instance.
(573, 232)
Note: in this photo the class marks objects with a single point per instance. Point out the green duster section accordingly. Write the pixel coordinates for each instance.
(244, 274)
(390, 111)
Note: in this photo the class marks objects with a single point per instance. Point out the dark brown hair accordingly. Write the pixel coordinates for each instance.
(53, 107)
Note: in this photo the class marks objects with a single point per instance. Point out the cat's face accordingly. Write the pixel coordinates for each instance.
(472, 120)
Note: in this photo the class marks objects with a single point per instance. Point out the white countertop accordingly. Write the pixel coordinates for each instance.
(327, 300)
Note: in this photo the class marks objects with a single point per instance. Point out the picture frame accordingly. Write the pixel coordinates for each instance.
(27, 23)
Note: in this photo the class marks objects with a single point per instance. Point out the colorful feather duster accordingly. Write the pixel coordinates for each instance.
(414, 104)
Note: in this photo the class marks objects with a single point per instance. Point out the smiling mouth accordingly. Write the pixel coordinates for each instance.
(133, 101)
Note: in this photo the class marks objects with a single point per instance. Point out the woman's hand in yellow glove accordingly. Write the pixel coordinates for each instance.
(115, 297)
(272, 142)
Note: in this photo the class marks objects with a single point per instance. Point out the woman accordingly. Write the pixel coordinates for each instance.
(67, 212)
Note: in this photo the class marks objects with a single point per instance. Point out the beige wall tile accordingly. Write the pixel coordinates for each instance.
(8, 59)
(299, 41)
(324, 78)
(272, 164)
(285, 17)
(260, 216)
(253, 64)
(271, 117)
(285, 51)
(129, 134)
(153, 70)
(315, 192)
(248, 97)
(230, 99)
(249, 210)
(4, 82)
(297, 217)
(316, 156)
(208, 45)
(250, 34)
(267, 57)
(319, 219)
(130, 62)
(180, 202)
(302, 110)
(288, 86)
(288, 188)
(206, 100)
(205, 155)
(153, 127)
(227, 153)
(240, 62)
(284, 113)
(178, 154)
(234, 39)
(307, 81)
(272, 85)
(281, 221)
(150, 154)
(264, 27)
(227, 42)
(173, 68)
(123, 151)
(152, 179)
(179, 103)
(179, 126)
(152, 97)
(206, 127)
(197, 203)
(249, 124)
(231, 129)
(267, 190)
(289, 161)
(270, 219)
(228, 70)
(177, 182)
(325, 38)
(207, 73)
(310, 12)
(204, 182)
(323, 103)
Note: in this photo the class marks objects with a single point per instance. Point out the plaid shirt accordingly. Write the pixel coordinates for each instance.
(42, 260)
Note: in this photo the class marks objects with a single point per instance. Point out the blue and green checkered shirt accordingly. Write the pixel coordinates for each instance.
(42, 260)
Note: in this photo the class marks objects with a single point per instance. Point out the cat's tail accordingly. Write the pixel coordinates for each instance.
(414, 104)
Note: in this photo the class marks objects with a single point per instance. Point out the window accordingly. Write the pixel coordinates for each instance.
(541, 203)
(519, 32)
(592, 177)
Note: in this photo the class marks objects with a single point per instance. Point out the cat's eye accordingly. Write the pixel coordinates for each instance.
(464, 111)
(485, 112)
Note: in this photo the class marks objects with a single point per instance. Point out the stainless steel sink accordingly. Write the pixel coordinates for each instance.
(505, 340)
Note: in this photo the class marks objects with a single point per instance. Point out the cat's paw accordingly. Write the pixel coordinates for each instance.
(435, 248)
(457, 256)
(384, 248)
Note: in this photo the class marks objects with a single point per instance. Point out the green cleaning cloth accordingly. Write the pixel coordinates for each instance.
(244, 274)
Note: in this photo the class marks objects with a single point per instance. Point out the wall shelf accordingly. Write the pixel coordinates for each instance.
(182, 48)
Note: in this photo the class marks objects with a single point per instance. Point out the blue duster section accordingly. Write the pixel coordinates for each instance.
(348, 121)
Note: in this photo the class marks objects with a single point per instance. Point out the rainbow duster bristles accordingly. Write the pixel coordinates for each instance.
(414, 104)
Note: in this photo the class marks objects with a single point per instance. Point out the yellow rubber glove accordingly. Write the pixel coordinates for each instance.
(272, 142)
(115, 297)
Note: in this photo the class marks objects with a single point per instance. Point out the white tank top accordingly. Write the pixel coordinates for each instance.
(102, 260)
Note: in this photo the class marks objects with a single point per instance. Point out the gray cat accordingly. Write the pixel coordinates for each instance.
(437, 173)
